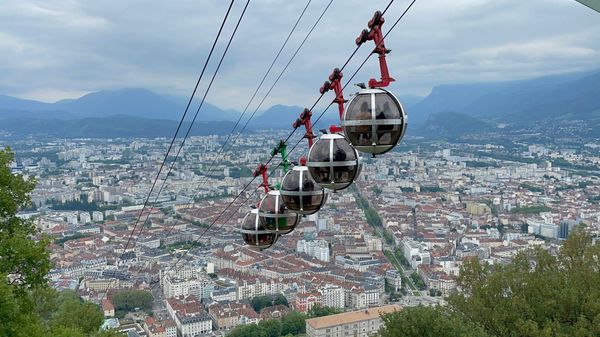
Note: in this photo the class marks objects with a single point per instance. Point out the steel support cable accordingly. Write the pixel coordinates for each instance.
(317, 120)
(200, 106)
(325, 110)
(270, 89)
(320, 116)
(180, 123)
(361, 65)
(205, 179)
(344, 66)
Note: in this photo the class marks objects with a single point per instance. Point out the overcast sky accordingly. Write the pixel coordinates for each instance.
(55, 49)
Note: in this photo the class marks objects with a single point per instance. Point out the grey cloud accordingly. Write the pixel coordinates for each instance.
(51, 49)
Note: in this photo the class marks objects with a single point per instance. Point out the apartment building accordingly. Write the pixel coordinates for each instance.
(362, 323)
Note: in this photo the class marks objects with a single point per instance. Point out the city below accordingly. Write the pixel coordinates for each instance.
(396, 238)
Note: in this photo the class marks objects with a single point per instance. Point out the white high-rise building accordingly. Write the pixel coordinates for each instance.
(72, 218)
(84, 217)
(97, 216)
(318, 249)
(321, 251)
(187, 281)
(333, 296)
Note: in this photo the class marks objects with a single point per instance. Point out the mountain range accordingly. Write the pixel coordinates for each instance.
(135, 102)
(557, 98)
(448, 109)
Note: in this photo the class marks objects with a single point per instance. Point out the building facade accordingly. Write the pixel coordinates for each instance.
(362, 323)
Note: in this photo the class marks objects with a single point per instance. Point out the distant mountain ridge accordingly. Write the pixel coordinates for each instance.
(557, 98)
(116, 126)
(135, 102)
(568, 96)
(144, 103)
(447, 110)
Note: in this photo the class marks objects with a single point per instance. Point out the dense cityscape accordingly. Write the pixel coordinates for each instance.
(300, 168)
(398, 236)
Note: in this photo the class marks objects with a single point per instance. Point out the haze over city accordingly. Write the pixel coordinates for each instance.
(344, 168)
(64, 49)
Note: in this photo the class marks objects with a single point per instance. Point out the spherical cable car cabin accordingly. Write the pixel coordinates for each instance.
(374, 121)
(254, 234)
(274, 216)
(300, 192)
(333, 162)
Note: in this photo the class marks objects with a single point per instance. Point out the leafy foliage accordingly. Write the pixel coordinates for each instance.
(418, 281)
(61, 241)
(376, 190)
(373, 219)
(537, 295)
(431, 189)
(260, 302)
(388, 237)
(247, 330)
(128, 300)
(271, 328)
(23, 259)
(320, 311)
(531, 188)
(27, 306)
(531, 209)
(427, 322)
(292, 324)
(77, 315)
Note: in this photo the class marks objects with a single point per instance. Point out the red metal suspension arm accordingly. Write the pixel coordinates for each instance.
(335, 84)
(262, 171)
(304, 119)
(376, 35)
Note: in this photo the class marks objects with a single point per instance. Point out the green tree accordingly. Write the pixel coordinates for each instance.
(107, 333)
(281, 300)
(427, 322)
(128, 300)
(76, 314)
(15, 319)
(376, 190)
(293, 323)
(247, 330)
(320, 311)
(260, 302)
(28, 307)
(23, 260)
(271, 328)
(537, 295)
(418, 281)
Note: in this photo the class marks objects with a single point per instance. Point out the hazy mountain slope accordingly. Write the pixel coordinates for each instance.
(133, 102)
(566, 97)
(578, 99)
(277, 116)
(108, 127)
(13, 103)
(13, 113)
(514, 101)
(452, 124)
(409, 101)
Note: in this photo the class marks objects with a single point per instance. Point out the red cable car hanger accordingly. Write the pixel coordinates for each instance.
(377, 36)
(335, 78)
(261, 170)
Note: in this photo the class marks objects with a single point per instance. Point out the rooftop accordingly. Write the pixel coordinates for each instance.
(350, 317)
